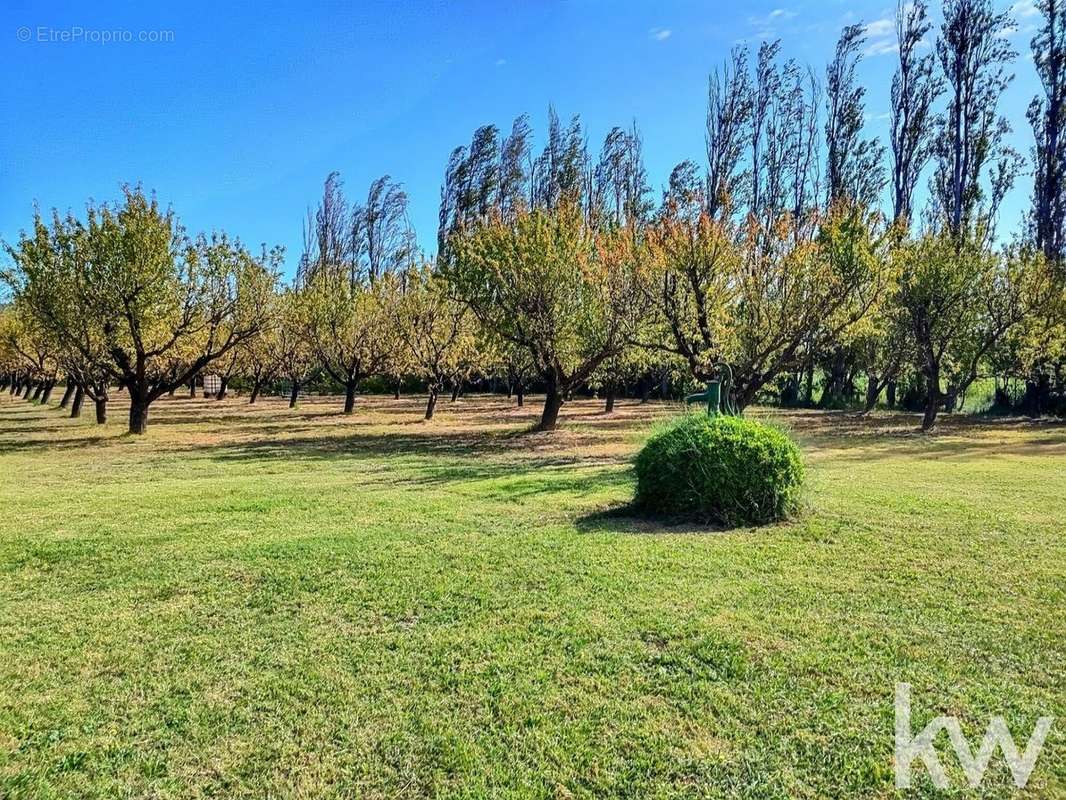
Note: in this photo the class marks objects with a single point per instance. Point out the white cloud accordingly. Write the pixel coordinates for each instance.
(500, 62)
(660, 34)
(881, 37)
(1024, 8)
(777, 15)
(881, 27)
(882, 47)
(1023, 12)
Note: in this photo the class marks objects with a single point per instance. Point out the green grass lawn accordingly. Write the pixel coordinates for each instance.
(258, 602)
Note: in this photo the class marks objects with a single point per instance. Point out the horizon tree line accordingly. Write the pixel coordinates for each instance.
(558, 268)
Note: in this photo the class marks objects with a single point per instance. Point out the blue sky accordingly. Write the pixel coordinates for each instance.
(238, 118)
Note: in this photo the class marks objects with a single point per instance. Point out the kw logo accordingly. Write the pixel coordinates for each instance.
(909, 747)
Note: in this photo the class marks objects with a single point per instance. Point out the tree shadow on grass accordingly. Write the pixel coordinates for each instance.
(434, 458)
(29, 445)
(25, 417)
(854, 437)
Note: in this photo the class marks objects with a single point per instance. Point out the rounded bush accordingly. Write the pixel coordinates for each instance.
(727, 470)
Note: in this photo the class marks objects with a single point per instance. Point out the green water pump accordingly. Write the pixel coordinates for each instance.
(716, 396)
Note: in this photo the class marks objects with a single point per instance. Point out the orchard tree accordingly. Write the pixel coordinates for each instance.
(258, 360)
(855, 246)
(350, 250)
(225, 368)
(796, 292)
(616, 372)
(884, 348)
(547, 284)
(167, 307)
(33, 348)
(507, 362)
(10, 330)
(10, 366)
(52, 276)
(754, 298)
(289, 345)
(961, 298)
(437, 332)
(347, 330)
(695, 257)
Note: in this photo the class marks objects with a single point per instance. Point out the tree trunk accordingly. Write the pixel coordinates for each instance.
(890, 394)
(455, 390)
(255, 393)
(37, 393)
(68, 393)
(47, 393)
(396, 394)
(431, 404)
(173, 389)
(951, 399)
(1037, 397)
(192, 388)
(138, 415)
(75, 406)
(223, 385)
(553, 402)
(873, 391)
(294, 394)
(349, 396)
(833, 393)
(520, 394)
(608, 407)
(808, 384)
(101, 410)
(932, 399)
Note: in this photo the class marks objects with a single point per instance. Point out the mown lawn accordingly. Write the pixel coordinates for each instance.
(272, 603)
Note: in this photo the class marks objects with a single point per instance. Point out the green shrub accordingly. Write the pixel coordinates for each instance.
(719, 469)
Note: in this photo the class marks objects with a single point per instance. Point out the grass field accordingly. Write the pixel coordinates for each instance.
(258, 602)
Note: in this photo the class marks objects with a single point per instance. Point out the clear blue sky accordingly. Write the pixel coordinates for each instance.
(239, 117)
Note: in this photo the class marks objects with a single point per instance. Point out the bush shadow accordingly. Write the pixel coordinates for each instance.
(626, 518)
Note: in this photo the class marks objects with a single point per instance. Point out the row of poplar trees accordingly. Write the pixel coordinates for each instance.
(559, 270)
(779, 256)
